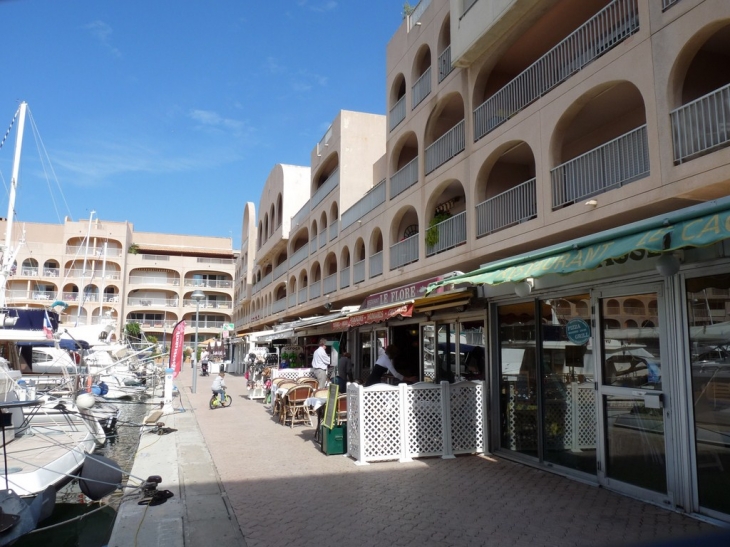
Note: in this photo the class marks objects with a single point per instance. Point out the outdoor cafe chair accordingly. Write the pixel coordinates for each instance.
(295, 410)
(309, 381)
(341, 415)
(277, 399)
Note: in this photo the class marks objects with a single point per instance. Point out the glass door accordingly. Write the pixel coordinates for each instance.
(633, 405)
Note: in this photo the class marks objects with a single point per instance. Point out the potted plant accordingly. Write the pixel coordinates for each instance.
(432, 233)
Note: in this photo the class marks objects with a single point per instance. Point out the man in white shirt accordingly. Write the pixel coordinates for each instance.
(320, 362)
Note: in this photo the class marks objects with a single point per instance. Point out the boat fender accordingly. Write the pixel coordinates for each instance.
(88, 384)
(99, 476)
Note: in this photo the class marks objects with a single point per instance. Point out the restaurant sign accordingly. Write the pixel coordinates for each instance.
(400, 294)
(374, 316)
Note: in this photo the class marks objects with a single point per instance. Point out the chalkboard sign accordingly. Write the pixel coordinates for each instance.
(330, 410)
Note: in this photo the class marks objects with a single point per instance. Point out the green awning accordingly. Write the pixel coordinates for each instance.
(696, 226)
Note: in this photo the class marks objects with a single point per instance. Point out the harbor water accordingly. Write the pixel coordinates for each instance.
(93, 522)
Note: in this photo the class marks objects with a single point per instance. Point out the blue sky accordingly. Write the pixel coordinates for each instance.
(170, 114)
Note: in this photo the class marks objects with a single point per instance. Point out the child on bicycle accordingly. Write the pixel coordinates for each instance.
(219, 386)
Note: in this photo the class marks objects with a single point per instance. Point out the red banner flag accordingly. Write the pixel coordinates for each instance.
(176, 348)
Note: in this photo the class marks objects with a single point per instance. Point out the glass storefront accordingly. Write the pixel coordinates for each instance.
(708, 314)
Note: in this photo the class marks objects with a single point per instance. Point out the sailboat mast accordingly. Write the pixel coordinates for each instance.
(8, 254)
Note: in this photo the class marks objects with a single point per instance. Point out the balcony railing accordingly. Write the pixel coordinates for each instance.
(96, 275)
(452, 232)
(280, 270)
(417, 12)
(155, 302)
(333, 230)
(666, 4)
(205, 324)
(292, 300)
(327, 186)
(421, 88)
(468, 4)
(300, 216)
(202, 260)
(155, 257)
(299, 255)
(323, 238)
(278, 305)
(618, 162)
(208, 304)
(702, 125)
(51, 272)
(315, 290)
(344, 278)
(358, 272)
(406, 177)
(329, 284)
(92, 252)
(404, 252)
(610, 26)
(302, 295)
(149, 280)
(212, 283)
(267, 280)
(324, 141)
(70, 296)
(444, 61)
(397, 113)
(375, 197)
(376, 264)
(29, 271)
(313, 247)
(518, 204)
(445, 147)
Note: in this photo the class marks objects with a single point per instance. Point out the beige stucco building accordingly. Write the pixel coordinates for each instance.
(107, 272)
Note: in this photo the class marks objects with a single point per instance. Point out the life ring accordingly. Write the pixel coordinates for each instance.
(88, 384)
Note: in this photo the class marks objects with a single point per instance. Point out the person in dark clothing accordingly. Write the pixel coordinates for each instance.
(344, 372)
(385, 364)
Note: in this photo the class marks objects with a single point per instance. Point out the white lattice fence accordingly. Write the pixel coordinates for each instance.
(291, 373)
(404, 422)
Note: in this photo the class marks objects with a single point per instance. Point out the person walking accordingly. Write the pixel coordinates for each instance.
(344, 372)
(320, 362)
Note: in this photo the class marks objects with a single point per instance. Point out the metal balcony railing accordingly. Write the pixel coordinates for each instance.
(323, 238)
(417, 12)
(444, 63)
(51, 272)
(445, 147)
(298, 256)
(452, 232)
(333, 230)
(149, 280)
(96, 275)
(315, 290)
(202, 260)
(278, 305)
(211, 283)
(324, 141)
(702, 125)
(280, 270)
(422, 88)
(29, 271)
(609, 27)
(518, 204)
(267, 280)
(313, 247)
(300, 216)
(358, 272)
(376, 264)
(404, 252)
(406, 177)
(206, 324)
(397, 113)
(375, 197)
(208, 304)
(325, 188)
(292, 300)
(156, 302)
(155, 257)
(618, 162)
(344, 278)
(329, 284)
(302, 295)
(93, 252)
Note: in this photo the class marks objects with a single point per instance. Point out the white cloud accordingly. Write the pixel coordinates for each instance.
(211, 119)
(102, 32)
(320, 7)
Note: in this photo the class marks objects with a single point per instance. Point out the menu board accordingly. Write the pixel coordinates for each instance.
(330, 409)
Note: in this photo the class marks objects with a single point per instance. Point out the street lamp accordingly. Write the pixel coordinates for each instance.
(197, 296)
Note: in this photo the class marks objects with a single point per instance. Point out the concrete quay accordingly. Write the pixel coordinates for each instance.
(240, 478)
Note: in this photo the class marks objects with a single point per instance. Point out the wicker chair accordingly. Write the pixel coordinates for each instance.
(277, 401)
(308, 380)
(295, 411)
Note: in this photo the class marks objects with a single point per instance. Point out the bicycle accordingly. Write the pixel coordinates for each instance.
(215, 402)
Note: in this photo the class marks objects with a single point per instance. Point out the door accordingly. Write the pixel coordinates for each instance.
(633, 406)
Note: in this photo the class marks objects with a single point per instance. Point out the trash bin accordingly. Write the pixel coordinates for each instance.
(334, 441)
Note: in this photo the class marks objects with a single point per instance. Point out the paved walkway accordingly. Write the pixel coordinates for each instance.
(275, 484)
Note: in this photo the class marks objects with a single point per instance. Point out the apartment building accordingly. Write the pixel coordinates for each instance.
(106, 272)
(553, 187)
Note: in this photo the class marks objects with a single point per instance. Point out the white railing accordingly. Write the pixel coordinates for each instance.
(421, 88)
(702, 125)
(344, 278)
(96, 275)
(208, 304)
(358, 272)
(149, 280)
(325, 188)
(610, 26)
(292, 300)
(29, 272)
(376, 264)
(323, 238)
(406, 177)
(444, 63)
(93, 252)
(375, 197)
(300, 216)
(280, 270)
(618, 162)
(302, 295)
(315, 290)
(324, 141)
(70, 296)
(518, 204)
(329, 284)
(278, 305)
(298, 256)
(212, 283)
(333, 231)
(201, 260)
(424, 420)
(204, 324)
(404, 252)
(451, 232)
(51, 272)
(445, 147)
(157, 302)
(155, 257)
(267, 280)
(397, 113)
(417, 12)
